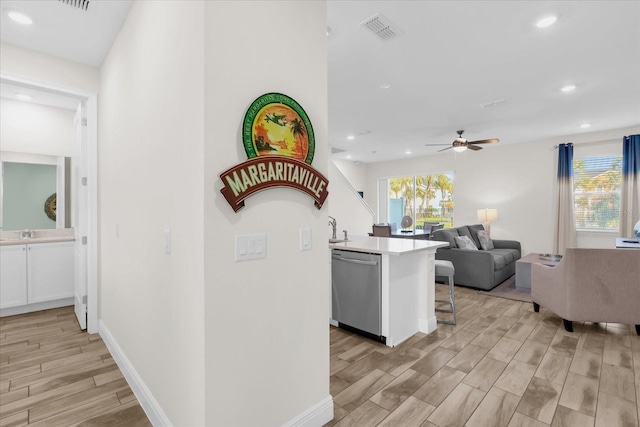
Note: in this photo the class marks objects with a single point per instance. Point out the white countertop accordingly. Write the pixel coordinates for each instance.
(8, 238)
(387, 245)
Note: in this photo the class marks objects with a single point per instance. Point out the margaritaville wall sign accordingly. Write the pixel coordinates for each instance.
(279, 142)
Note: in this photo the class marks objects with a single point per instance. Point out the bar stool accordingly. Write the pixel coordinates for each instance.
(445, 268)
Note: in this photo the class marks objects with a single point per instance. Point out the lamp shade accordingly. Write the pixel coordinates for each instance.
(487, 215)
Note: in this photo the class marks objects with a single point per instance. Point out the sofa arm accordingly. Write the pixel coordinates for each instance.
(473, 268)
(507, 244)
(549, 288)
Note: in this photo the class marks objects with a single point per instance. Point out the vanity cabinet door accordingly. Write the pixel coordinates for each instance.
(50, 271)
(13, 275)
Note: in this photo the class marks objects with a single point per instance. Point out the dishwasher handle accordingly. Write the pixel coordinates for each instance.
(354, 261)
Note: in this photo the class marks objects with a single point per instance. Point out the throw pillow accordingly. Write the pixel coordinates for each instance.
(485, 242)
(464, 242)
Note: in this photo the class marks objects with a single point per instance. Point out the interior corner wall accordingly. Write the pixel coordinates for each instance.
(517, 179)
(151, 178)
(352, 214)
(28, 64)
(356, 174)
(267, 330)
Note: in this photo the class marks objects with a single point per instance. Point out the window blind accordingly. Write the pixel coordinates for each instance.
(597, 184)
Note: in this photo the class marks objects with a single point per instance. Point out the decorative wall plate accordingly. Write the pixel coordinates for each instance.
(276, 125)
(50, 206)
(278, 138)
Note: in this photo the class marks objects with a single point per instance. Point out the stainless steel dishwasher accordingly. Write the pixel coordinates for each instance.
(356, 292)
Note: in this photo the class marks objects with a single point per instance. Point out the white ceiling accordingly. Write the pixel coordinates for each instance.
(62, 30)
(451, 57)
(65, 31)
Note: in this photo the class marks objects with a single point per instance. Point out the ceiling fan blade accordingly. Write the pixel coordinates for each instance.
(473, 147)
(485, 141)
(444, 149)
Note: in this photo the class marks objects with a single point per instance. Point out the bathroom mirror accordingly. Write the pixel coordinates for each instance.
(29, 184)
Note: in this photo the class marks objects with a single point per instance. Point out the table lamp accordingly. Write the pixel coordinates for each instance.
(487, 216)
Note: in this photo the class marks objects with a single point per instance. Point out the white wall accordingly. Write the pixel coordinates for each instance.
(517, 179)
(19, 62)
(356, 174)
(36, 129)
(351, 212)
(151, 179)
(267, 334)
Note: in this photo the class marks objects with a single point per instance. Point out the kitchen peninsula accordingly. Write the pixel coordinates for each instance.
(405, 268)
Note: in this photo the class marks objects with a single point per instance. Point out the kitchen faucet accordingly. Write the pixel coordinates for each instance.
(333, 225)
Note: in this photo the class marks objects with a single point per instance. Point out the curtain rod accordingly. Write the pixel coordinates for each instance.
(588, 144)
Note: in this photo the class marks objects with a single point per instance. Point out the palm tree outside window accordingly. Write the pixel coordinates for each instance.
(425, 198)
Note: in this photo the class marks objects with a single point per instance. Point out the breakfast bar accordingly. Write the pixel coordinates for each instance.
(406, 286)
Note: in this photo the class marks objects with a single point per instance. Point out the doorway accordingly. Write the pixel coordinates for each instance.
(86, 259)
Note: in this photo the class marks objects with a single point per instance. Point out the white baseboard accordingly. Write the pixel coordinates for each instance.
(316, 416)
(428, 325)
(149, 404)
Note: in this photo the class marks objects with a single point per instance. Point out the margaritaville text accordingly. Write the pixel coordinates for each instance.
(264, 172)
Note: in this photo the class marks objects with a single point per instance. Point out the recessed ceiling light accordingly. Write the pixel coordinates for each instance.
(568, 88)
(20, 17)
(348, 156)
(351, 137)
(407, 152)
(385, 86)
(545, 22)
(585, 125)
(23, 97)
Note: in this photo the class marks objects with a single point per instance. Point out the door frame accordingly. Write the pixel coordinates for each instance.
(91, 102)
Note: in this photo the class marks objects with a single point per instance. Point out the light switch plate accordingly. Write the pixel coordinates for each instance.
(250, 246)
(167, 242)
(305, 239)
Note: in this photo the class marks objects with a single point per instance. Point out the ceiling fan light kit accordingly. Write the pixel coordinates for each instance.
(460, 144)
(459, 147)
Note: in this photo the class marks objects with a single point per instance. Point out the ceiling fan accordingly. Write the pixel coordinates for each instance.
(460, 144)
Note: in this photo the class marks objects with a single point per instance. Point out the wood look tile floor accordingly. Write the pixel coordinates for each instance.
(54, 374)
(502, 365)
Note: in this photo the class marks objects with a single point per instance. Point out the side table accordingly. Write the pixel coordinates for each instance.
(523, 270)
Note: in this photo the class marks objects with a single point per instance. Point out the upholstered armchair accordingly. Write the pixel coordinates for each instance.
(590, 285)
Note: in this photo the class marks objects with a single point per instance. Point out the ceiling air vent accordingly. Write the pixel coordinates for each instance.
(494, 103)
(78, 4)
(381, 27)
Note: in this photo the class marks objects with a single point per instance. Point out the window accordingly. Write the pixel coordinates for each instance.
(426, 198)
(597, 182)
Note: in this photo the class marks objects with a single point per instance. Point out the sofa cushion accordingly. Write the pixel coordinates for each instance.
(465, 242)
(464, 231)
(485, 242)
(498, 261)
(473, 231)
(446, 235)
(503, 257)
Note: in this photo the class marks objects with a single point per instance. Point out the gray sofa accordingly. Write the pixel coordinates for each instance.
(478, 269)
